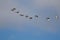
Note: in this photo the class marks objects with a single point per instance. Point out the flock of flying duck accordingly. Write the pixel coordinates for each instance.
(48, 18)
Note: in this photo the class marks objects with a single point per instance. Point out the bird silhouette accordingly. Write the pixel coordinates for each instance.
(17, 12)
(21, 15)
(13, 9)
(26, 16)
(36, 16)
(30, 17)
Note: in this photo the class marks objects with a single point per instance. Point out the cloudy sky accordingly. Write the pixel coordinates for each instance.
(15, 27)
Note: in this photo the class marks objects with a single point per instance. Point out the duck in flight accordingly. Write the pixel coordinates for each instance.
(21, 15)
(26, 16)
(30, 17)
(17, 12)
(13, 9)
(36, 16)
(48, 18)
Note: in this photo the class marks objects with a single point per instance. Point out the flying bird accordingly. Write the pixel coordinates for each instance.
(17, 12)
(48, 18)
(21, 15)
(30, 17)
(26, 16)
(13, 9)
(36, 16)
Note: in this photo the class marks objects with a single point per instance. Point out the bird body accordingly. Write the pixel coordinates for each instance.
(13, 9)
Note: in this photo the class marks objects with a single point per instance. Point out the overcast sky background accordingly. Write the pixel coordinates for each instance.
(15, 27)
